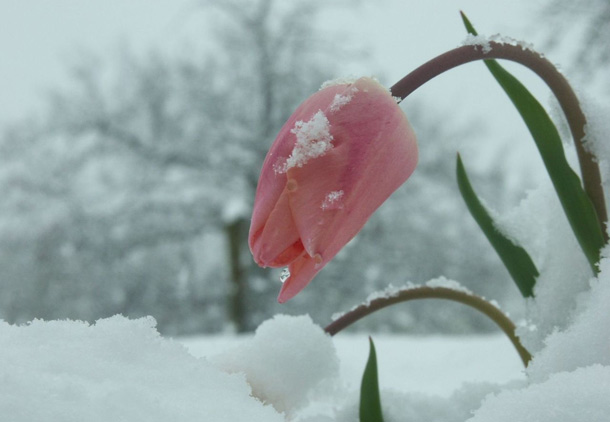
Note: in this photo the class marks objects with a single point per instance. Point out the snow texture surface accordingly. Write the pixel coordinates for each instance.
(342, 99)
(333, 200)
(339, 81)
(313, 139)
(483, 42)
(287, 358)
(115, 370)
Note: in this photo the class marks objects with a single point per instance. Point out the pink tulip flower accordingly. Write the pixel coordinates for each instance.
(342, 153)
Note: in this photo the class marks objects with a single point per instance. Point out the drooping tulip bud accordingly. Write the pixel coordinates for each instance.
(342, 153)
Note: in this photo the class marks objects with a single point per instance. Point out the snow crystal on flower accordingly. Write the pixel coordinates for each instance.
(332, 200)
(388, 292)
(446, 283)
(342, 99)
(503, 39)
(483, 42)
(393, 291)
(337, 315)
(280, 165)
(339, 81)
(313, 140)
(478, 40)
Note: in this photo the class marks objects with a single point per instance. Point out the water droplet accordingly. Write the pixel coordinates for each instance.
(317, 258)
(284, 275)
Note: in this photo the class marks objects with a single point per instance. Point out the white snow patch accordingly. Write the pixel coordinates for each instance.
(342, 99)
(585, 341)
(581, 395)
(393, 291)
(333, 200)
(313, 140)
(596, 134)
(539, 224)
(114, 370)
(484, 42)
(478, 40)
(446, 283)
(285, 361)
(346, 80)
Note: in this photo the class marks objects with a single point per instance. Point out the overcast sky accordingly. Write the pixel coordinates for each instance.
(39, 39)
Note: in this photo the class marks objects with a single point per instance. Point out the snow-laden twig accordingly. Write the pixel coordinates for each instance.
(448, 292)
(548, 73)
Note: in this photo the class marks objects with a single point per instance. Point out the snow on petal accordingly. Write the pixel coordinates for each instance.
(313, 140)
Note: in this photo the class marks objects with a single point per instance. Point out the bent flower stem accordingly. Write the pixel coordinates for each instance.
(549, 74)
(428, 292)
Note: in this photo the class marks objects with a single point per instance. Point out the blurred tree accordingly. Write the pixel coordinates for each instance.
(587, 23)
(142, 161)
(133, 193)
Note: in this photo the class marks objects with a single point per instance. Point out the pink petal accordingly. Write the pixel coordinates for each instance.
(374, 153)
(271, 183)
(308, 206)
(279, 241)
(302, 271)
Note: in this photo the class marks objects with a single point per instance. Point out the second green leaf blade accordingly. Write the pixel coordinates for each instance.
(516, 260)
(370, 401)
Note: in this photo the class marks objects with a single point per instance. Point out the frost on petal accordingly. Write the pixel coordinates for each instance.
(342, 99)
(332, 200)
(338, 81)
(313, 140)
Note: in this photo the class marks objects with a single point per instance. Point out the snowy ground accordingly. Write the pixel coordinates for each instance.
(435, 365)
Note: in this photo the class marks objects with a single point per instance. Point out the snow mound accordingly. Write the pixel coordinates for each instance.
(585, 342)
(541, 227)
(114, 370)
(286, 359)
(581, 395)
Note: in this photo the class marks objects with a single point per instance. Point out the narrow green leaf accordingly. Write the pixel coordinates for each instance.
(575, 202)
(516, 259)
(370, 402)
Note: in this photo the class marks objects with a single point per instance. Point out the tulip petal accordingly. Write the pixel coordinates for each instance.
(271, 181)
(341, 154)
(374, 153)
(278, 243)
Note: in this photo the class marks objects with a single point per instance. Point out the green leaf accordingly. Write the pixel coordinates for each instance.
(516, 260)
(370, 402)
(575, 202)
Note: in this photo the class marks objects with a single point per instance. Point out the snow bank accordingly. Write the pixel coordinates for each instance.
(581, 395)
(540, 225)
(115, 370)
(287, 358)
(586, 341)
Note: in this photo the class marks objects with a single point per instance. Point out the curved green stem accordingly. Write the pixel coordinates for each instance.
(427, 292)
(550, 75)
